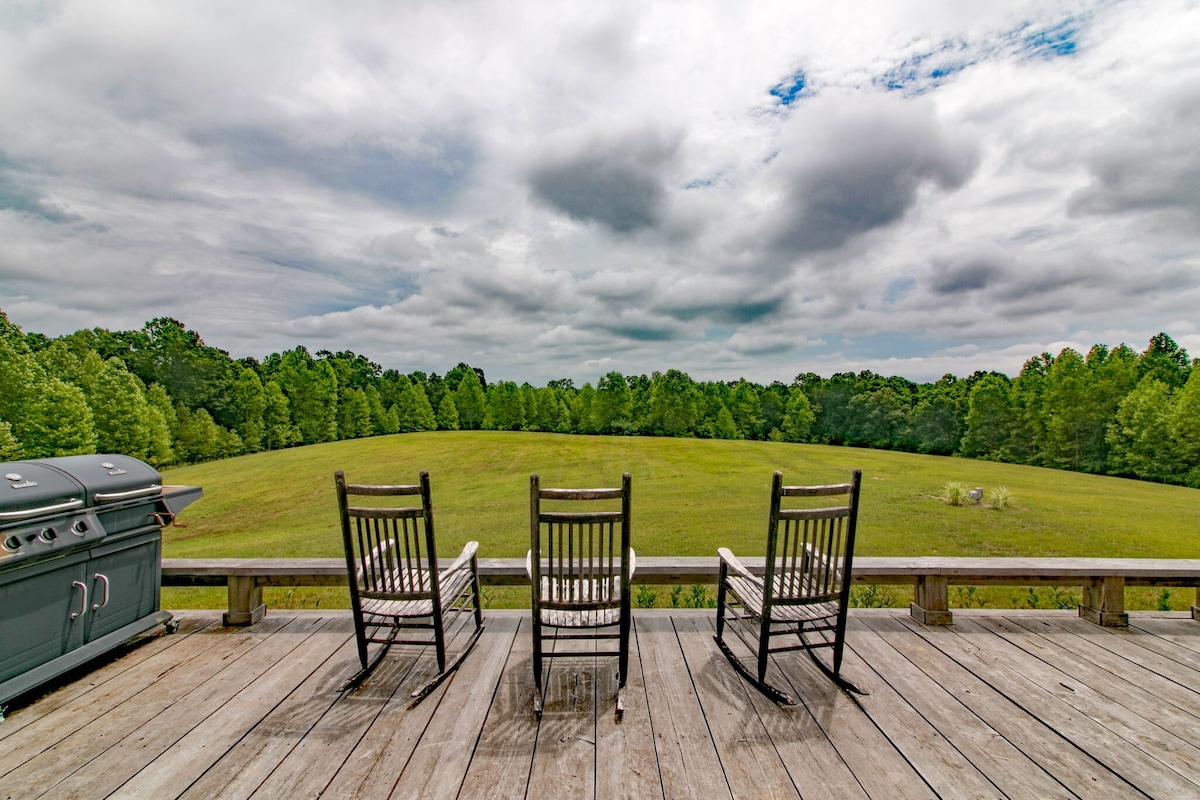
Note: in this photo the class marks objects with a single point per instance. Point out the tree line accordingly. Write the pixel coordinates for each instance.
(161, 394)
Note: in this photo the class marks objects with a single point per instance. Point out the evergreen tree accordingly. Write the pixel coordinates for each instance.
(798, 417)
(251, 404)
(1140, 436)
(469, 399)
(611, 404)
(772, 406)
(381, 421)
(990, 420)
(505, 411)
(745, 406)
(725, 427)
(423, 414)
(312, 392)
(354, 414)
(447, 414)
(1028, 390)
(278, 431)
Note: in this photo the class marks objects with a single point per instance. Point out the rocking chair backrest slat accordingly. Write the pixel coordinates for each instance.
(389, 550)
(809, 549)
(578, 558)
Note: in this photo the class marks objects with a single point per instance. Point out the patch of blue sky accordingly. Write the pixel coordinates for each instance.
(921, 72)
(1051, 42)
(790, 89)
(897, 290)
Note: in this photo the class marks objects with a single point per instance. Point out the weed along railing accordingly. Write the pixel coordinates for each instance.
(1103, 580)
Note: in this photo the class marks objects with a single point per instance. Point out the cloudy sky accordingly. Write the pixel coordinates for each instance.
(563, 189)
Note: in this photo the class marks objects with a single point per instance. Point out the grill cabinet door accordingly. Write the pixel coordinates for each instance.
(127, 574)
(36, 604)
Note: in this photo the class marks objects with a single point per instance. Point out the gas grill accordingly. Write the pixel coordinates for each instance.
(80, 561)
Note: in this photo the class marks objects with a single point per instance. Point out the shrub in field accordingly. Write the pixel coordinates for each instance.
(999, 498)
(956, 493)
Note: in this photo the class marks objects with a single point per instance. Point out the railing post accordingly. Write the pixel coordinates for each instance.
(245, 601)
(1196, 607)
(932, 606)
(1104, 602)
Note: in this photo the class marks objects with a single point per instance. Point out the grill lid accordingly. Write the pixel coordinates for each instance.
(32, 488)
(109, 478)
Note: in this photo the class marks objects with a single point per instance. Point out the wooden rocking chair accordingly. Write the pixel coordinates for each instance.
(397, 593)
(580, 564)
(800, 600)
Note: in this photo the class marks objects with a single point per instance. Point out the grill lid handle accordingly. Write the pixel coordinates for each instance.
(108, 497)
(33, 512)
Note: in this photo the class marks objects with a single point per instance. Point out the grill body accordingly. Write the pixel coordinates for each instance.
(80, 561)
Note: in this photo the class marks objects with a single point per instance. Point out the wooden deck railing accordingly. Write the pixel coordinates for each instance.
(1103, 580)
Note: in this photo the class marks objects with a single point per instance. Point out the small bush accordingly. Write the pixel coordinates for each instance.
(969, 597)
(676, 597)
(872, 596)
(699, 598)
(645, 596)
(1164, 600)
(999, 498)
(956, 493)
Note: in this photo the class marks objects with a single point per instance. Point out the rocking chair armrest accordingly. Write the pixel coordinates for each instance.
(736, 566)
(463, 560)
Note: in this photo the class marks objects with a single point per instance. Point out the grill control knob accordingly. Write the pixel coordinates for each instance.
(48, 535)
(80, 527)
(12, 544)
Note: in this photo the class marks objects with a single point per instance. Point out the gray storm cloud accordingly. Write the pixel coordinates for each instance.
(851, 165)
(616, 183)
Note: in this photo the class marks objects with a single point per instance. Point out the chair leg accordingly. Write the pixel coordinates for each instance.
(475, 590)
(721, 601)
(537, 665)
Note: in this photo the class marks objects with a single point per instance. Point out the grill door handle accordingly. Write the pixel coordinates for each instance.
(103, 602)
(82, 606)
(33, 512)
(108, 497)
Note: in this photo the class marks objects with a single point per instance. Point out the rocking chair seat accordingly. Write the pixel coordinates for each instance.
(453, 580)
(750, 593)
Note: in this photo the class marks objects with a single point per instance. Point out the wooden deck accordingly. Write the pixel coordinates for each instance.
(1000, 704)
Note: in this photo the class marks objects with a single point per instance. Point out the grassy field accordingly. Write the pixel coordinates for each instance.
(690, 496)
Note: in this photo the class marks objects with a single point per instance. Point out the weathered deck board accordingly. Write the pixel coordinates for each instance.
(1068, 764)
(1000, 704)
